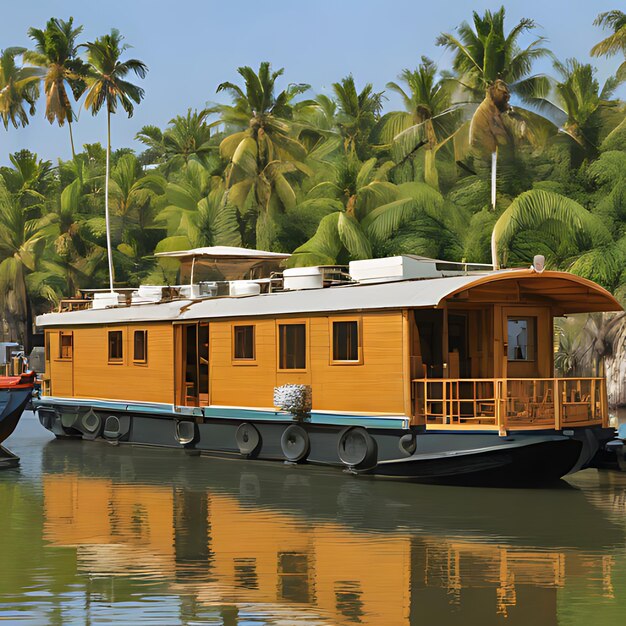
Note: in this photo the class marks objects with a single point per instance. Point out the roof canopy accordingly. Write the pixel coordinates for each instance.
(565, 292)
(228, 252)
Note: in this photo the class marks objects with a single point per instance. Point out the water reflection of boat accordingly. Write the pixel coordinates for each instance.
(15, 392)
(521, 516)
(318, 548)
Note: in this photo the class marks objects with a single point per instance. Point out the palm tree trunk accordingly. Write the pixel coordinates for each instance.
(106, 201)
(494, 166)
(69, 123)
(494, 247)
(431, 176)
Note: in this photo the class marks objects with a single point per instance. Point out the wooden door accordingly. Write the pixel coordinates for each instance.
(187, 364)
(526, 342)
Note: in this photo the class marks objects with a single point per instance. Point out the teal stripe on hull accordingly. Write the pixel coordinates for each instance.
(167, 410)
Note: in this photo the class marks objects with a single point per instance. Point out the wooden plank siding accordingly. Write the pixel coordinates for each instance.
(89, 374)
(61, 370)
(377, 385)
(380, 384)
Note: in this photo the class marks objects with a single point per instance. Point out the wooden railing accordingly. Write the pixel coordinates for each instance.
(510, 403)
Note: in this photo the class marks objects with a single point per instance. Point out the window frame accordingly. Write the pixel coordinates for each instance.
(116, 361)
(531, 330)
(307, 348)
(47, 338)
(137, 361)
(331, 333)
(239, 360)
(70, 334)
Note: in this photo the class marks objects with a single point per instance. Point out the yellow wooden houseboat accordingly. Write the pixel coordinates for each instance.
(405, 366)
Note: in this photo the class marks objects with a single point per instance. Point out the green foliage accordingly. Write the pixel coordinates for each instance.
(329, 178)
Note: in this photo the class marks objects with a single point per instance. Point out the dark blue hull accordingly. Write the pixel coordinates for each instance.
(404, 454)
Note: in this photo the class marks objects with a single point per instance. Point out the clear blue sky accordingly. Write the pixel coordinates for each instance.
(190, 46)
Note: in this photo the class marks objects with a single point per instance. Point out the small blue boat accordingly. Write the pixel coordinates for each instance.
(15, 392)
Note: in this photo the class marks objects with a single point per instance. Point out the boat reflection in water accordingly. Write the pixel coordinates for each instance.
(261, 543)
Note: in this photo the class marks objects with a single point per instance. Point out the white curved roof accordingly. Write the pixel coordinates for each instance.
(571, 293)
(225, 252)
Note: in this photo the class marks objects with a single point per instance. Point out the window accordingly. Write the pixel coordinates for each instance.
(292, 346)
(47, 346)
(346, 342)
(66, 345)
(140, 346)
(116, 353)
(243, 343)
(521, 338)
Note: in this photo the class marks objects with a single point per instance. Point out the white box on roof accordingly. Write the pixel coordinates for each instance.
(296, 278)
(106, 299)
(391, 268)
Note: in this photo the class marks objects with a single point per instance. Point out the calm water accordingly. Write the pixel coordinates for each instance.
(93, 534)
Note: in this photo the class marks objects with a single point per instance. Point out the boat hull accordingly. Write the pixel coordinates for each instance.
(15, 394)
(525, 464)
(474, 457)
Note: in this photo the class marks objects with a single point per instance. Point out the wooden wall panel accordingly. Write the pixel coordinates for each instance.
(96, 378)
(242, 385)
(375, 386)
(61, 370)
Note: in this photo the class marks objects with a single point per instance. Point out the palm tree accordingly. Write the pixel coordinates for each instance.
(579, 97)
(262, 148)
(484, 54)
(362, 207)
(552, 213)
(187, 136)
(490, 64)
(616, 41)
(134, 203)
(22, 277)
(106, 85)
(358, 112)
(78, 256)
(196, 214)
(428, 120)
(56, 53)
(28, 180)
(18, 86)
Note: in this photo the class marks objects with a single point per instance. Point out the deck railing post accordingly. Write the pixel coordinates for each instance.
(592, 398)
(604, 404)
(500, 394)
(558, 404)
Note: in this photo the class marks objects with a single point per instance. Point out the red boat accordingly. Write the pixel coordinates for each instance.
(15, 392)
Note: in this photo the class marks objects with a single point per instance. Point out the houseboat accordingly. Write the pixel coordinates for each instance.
(403, 367)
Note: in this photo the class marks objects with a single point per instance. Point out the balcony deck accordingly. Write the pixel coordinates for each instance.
(506, 404)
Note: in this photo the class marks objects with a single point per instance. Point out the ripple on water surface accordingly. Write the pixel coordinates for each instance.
(96, 534)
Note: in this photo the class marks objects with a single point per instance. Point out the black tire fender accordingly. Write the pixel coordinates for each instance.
(295, 443)
(357, 448)
(248, 438)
